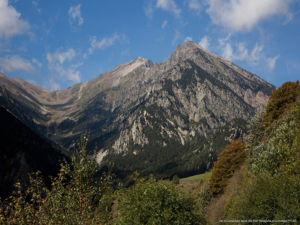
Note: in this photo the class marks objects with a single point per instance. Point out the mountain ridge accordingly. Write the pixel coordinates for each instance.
(140, 106)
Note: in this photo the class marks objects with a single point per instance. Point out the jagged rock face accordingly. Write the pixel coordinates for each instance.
(138, 107)
(195, 101)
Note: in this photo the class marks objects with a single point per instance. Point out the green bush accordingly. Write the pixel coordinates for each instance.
(266, 198)
(175, 180)
(152, 202)
(204, 196)
(254, 145)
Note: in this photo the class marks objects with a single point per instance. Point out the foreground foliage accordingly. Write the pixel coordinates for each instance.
(157, 202)
(271, 187)
(74, 195)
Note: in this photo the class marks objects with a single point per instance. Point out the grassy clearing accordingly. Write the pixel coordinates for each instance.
(197, 177)
(192, 184)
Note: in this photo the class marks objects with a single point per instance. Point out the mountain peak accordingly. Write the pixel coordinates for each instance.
(184, 51)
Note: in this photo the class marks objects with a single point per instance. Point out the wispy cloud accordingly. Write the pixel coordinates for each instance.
(194, 5)
(149, 9)
(169, 5)
(204, 42)
(61, 56)
(253, 57)
(13, 63)
(272, 62)
(256, 53)
(104, 42)
(164, 24)
(36, 4)
(177, 36)
(243, 15)
(37, 62)
(10, 21)
(75, 15)
(242, 53)
(56, 63)
(31, 81)
(188, 39)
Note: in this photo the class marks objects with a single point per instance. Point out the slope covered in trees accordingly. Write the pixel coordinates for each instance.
(270, 187)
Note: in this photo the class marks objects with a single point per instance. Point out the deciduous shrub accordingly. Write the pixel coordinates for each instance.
(266, 197)
(152, 202)
(229, 160)
(281, 100)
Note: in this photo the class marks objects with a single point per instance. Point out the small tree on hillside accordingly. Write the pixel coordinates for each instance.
(229, 160)
(175, 180)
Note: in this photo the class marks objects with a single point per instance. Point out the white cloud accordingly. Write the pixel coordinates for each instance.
(164, 24)
(272, 62)
(53, 85)
(69, 73)
(75, 14)
(103, 43)
(204, 42)
(176, 37)
(36, 4)
(61, 56)
(243, 15)
(253, 57)
(37, 62)
(149, 10)
(227, 52)
(31, 81)
(256, 53)
(222, 41)
(12, 63)
(169, 5)
(194, 5)
(241, 53)
(188, 39)
(10, 22)
(56, 61)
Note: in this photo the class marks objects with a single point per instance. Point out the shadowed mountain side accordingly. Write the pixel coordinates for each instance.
(23, 151)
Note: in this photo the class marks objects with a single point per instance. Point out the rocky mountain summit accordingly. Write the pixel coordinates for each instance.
(158, 118)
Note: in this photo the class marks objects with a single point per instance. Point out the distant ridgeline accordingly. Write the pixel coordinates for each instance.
(22, 151)
(164, 119)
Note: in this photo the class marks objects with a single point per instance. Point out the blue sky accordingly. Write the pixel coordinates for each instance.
(56, 44)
